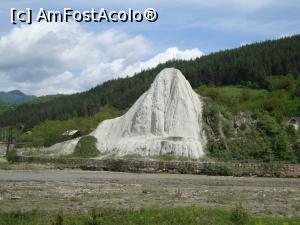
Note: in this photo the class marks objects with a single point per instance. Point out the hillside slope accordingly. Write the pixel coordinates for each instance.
(242, 124)
(245, 124)
(248, 65)
(15, 97)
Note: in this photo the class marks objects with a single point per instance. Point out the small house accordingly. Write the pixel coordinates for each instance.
(72, 133)
(28, 133)
(293, 121)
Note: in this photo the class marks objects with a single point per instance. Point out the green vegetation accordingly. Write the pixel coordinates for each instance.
(50, 132)
(10, 104)
(235, 98)
(46, 98)
(243, 124)
(275, 100)
(11, 155)
(86, 147)
(248, 66)
(246, 124)
(5, 107)
(5, 165)
(239, 216)
(248, 91)
(148, 216)
(59, 220)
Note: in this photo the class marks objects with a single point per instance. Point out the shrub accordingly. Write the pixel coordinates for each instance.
(211, 113)
(287, 85)
(245, 95)
(59, 220)
(86, 147)
(227, 129)
(268, 125)
(117, 165)
(11, 155)
(272, 104)
(291, 131)
(243, 127)
(281, 148)
(286, 82)
(216, 148)
(92, 220)
(296, 92)
(239, 216)
(296, 148)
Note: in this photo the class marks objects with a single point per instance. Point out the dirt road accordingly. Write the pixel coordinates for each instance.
(81, 190)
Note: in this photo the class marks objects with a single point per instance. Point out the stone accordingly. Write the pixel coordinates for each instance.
(165, 120)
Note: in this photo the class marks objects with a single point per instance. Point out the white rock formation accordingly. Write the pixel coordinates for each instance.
(166, 119)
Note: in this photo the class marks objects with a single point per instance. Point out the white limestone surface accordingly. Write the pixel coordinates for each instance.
(166, 119)
(64, 148)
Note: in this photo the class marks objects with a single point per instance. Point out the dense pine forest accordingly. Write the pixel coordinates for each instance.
(248, 66)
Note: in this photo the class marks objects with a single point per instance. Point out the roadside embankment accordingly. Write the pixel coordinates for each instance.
(183, 167)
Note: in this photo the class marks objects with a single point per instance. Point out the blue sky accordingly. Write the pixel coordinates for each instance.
(185, 29)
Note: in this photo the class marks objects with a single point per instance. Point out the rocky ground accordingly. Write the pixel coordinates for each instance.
(80, 190)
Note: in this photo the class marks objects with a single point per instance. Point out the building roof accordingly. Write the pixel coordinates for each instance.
(288, 119)
(70, 132)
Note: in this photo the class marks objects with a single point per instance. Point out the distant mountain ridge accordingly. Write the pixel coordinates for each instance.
(15, 97)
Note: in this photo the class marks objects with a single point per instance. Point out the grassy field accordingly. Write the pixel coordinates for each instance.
(149, 216)
(234, 98)
(280, 98)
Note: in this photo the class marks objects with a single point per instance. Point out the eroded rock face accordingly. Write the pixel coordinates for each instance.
(167, 119)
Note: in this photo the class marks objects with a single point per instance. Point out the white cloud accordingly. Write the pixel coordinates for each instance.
(245, 43)
(170, 53)
(65, 58)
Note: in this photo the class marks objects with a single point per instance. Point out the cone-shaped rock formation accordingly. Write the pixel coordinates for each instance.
(166, 119)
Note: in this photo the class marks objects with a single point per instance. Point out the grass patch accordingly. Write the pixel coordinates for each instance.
(279, 99)
(235, 98)
(239, 216)
(5, 166)
(36, 152)
(147, 216)
(50, 131)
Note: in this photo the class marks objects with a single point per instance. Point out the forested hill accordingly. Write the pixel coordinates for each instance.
(247, 65)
